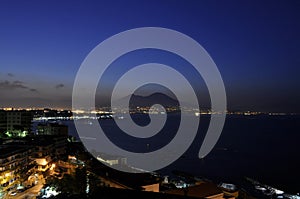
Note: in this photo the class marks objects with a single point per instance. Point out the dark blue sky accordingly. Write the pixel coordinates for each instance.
(255, 45)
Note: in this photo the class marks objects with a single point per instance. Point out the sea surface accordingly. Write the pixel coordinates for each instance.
(264, 147)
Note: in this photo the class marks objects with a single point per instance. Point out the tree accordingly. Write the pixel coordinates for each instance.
(75, 183)
(94, 183)
(81, 179)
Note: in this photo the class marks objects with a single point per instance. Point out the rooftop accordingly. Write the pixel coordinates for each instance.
(202, 190)
(9, 150)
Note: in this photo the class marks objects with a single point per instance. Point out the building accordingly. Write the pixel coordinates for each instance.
(3, 121)
(48, 150)
(43, 154)
(15, 123)
(200, 190)
(60, 148)
(229, 190)
(52, 129)
(15, 165)
(58, 134)
(112, 160)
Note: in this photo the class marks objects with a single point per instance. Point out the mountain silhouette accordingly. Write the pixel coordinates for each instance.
(146, 101)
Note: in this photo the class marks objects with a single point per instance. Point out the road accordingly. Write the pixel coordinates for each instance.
(30, 193)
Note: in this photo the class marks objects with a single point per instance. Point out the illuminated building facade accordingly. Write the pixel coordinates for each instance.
(15, 123)
(43, 155)
(15, 165)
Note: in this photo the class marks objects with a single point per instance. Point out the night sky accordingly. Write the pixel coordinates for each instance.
(255, 44)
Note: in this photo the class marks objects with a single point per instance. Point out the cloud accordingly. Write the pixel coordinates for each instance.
(33, 90)
(18, 82)
(58, 86)
(12, 85)
(8, 85)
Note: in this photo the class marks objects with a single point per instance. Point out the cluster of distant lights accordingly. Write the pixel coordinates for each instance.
(79, 114)
(29, 109)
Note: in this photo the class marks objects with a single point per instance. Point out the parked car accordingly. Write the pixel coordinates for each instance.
(13, 193)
